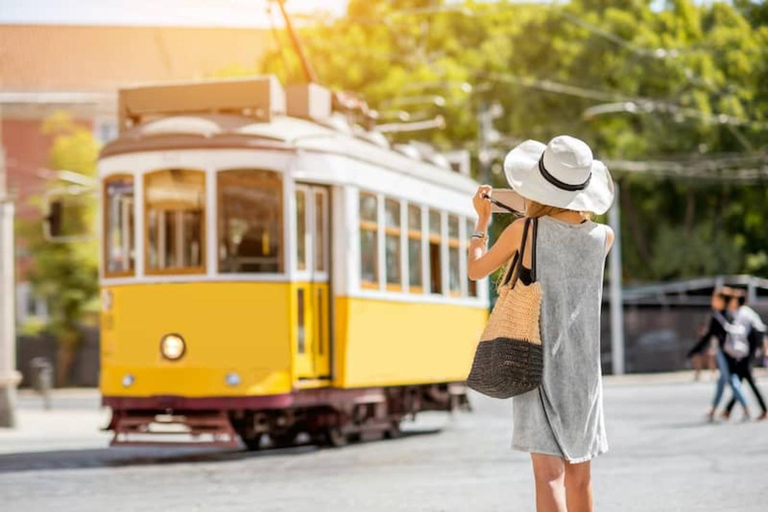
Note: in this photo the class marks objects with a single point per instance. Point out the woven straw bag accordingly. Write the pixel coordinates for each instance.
(508, 360)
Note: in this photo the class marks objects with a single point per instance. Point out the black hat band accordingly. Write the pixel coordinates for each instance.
(560, 184)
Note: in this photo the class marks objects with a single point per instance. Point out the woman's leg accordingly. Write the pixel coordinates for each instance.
(742, 370)
(722, 365)
(578, 486)
(729, 408)
(735, 384)
(751, 381)
(733, 381)
(549, 474)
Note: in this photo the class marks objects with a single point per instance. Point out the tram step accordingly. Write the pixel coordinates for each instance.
(142, 429)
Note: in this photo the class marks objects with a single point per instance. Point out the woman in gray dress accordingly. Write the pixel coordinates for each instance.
(560, 423)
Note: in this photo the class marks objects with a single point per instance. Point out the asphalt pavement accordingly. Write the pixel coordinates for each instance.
(663, 456)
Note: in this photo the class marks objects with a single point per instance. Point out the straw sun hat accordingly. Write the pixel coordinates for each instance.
(562, 173)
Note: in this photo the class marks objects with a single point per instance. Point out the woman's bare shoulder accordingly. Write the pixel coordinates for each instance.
(513, 233)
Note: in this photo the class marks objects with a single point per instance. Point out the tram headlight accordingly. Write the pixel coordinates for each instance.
(173, 347)
(233, 379)
(128, 380)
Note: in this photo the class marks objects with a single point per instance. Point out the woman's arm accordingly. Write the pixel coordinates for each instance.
(704, 339)
(609, 238)
(482, 261)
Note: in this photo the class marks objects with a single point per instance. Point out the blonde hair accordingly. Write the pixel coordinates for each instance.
(538, 210)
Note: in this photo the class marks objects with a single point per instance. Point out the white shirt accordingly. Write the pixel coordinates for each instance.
(749, 316)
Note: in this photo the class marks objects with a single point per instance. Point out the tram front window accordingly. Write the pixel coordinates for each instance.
(118, 226)
(175, 206)
(250, 221)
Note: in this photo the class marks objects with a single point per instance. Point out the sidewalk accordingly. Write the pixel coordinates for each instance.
(73, 422)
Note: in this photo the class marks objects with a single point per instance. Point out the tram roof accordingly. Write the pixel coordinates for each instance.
(280, 133)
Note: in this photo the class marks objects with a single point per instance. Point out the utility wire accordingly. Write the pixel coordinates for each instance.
(628, 104)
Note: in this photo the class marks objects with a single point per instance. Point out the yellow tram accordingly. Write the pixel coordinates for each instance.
(270, 269)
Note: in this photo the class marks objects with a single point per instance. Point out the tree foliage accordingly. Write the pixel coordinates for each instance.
(66, 274)
(679, 63)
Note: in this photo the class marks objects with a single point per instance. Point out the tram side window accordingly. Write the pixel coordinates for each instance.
(392, 243)
(454, 266)
(414, 249)
(369, 247)
(471, 285)
(435, 264)
(119, 242)
(250, 221)
(175, 213)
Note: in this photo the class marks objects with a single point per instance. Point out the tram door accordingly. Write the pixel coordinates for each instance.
(313, 289)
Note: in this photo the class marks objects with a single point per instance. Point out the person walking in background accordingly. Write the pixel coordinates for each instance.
(561, 422)
(755, 328)
(719, 322)
(705, 358)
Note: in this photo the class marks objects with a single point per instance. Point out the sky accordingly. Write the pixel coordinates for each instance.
(191, 13)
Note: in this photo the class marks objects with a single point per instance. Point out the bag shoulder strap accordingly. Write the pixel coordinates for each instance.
(534, 249)
(521, 259)
(511, 269)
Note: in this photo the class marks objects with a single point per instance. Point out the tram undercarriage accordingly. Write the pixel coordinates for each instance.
(324, 416)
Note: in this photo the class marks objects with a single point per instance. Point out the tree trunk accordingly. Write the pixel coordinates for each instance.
(65, 357)
(690, 213)
(635, 226)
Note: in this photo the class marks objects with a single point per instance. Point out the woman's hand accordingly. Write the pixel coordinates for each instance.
(482, 205)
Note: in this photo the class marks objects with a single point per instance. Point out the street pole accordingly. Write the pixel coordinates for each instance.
(617, 301)
(9, 377)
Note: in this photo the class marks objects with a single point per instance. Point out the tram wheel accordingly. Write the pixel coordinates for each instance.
(394, 431)
(252, 444)
(283, 439)
(334, 437)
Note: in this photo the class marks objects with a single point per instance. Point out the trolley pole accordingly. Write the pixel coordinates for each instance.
(617, 300)
(9, 377)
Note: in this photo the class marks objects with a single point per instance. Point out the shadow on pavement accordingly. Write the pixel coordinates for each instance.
(146, 456)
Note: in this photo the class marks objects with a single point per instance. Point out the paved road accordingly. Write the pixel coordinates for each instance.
(663, 457)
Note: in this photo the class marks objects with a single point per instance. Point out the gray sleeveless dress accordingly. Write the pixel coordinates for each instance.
(564, 416)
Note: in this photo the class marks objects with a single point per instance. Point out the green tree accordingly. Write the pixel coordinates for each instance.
(66, 274)
(679, 65)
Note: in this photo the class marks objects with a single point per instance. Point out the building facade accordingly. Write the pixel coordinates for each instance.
(45, 69)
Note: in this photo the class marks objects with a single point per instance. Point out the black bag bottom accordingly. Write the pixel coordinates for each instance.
(505, 367)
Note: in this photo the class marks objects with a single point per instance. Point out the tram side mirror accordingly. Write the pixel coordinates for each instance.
(68, 217)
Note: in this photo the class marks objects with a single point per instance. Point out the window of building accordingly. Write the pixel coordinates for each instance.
(369, 246)
(392, 232)
(119, 243)
(454, 265)
(435, 263)
(414, 249)
(250, 221)
(471, 285)
(175, 221)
